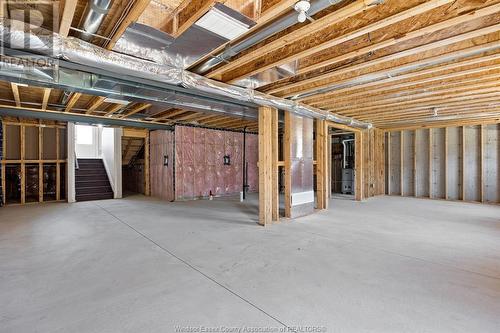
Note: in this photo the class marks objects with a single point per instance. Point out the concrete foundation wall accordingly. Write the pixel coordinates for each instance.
(454, 163)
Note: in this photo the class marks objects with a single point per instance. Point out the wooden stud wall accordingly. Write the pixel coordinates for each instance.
(34, 142)
(452, 163)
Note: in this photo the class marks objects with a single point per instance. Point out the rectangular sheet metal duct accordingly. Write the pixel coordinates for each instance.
(300, 132)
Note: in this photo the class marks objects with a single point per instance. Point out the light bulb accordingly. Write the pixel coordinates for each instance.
(302, 17)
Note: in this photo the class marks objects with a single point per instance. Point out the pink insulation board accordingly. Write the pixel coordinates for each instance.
(200, 165)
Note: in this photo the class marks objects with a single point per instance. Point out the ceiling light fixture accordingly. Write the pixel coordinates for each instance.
(302, 7)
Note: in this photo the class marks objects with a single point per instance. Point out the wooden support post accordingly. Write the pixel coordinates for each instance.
(147, 182)
(40, 164)
(275, 167)
(431, 138)
(23, 165)
(401, 157)
(481, 163)
(415, 180)
(464, 178)
(322, 164)
(265, 165)
(446, 163)
(58, 171)
(4, 150)
(358, 162)
(388, 163)
(288, 165)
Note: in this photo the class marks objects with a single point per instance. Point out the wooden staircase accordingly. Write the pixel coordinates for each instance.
(92, 181)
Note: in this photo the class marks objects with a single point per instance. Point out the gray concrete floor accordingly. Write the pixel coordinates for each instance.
(140, 265)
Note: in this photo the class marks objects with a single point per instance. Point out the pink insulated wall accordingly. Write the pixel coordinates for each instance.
(199, 162)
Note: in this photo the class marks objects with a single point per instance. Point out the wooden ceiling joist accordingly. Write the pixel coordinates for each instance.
(46, 96)
(67, 17)
(133, 15)
(490, 81)
(320, 41)
(328, 20)
(94, 104)
(455, 68)
(15, 92)
(321, 81)
(114, 109)
(136, 109)
(384, 88)
(72, 101)
(410, 35)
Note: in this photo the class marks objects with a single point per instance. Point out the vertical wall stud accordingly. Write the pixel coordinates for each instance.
(431, 188)
(481, 163)
(389, 163)
(415, 184)
(401, 169)
(275, 167)
(464, 169)
(23, 166)
(147, 182)
(358, 163)
(40, 164)
(446, 163)
(265, 165)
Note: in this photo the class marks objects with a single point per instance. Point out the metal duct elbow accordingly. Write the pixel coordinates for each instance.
(94, 15)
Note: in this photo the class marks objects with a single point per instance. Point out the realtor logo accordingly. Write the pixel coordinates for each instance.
(19, 20)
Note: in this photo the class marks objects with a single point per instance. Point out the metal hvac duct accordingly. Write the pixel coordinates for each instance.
(94, 15)
(80, 52)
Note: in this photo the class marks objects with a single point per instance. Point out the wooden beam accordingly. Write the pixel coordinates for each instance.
(72, 101)
(46, 95)
(15, 92)
(67, 17)
(265, 166)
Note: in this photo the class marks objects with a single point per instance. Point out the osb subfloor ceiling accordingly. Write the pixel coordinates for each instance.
(392, 63)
